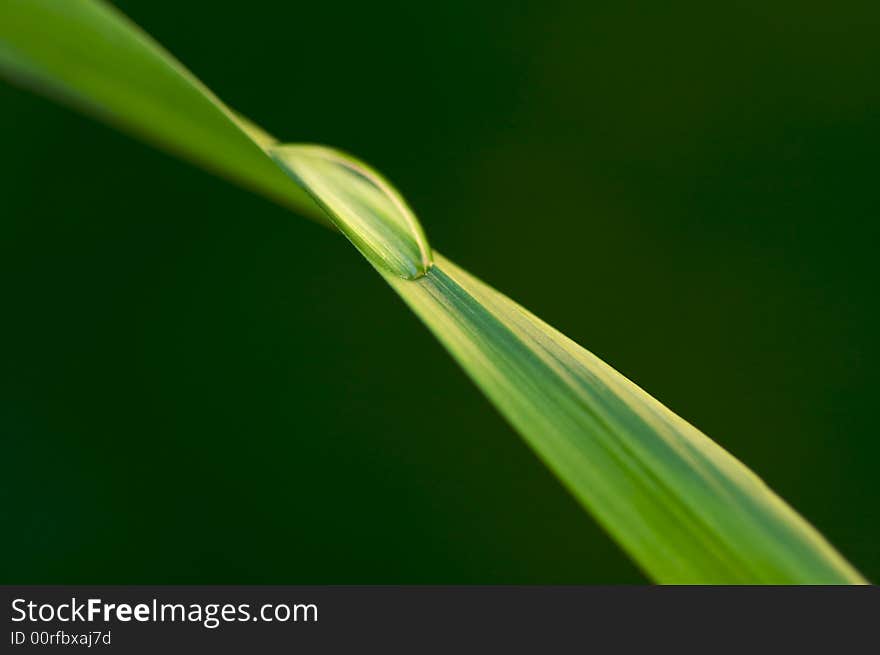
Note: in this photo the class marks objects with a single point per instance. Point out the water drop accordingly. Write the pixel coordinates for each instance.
(363, 205)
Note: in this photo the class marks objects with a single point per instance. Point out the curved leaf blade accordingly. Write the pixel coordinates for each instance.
(88, 54)
(683, 508)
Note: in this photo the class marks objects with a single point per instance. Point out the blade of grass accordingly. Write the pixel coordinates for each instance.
(87, 54)
(684, 509)
(681, 506)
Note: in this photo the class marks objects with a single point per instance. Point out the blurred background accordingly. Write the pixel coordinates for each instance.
(200, 387)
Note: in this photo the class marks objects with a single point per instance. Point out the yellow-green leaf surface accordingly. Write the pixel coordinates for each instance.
(88, 54)
(683, 508)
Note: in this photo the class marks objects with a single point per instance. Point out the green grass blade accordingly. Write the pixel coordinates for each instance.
(683, 508)
(88, 54)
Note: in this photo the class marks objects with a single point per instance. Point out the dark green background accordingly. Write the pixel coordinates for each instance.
(198, 386)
